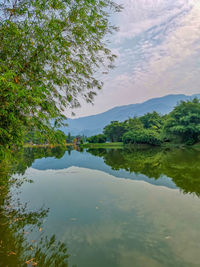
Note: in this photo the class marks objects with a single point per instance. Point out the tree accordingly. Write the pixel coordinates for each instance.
(99, 138)
(152, 120)
(49, 53)
(69, 138)
(145, 136)
(184, 121)
(114, 131)
(134, 124)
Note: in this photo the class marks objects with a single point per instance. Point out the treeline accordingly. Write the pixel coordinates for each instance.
(39, 138)
(182, 125)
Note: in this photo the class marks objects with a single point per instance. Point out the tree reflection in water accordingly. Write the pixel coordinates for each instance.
(181, 165)
(17, 221)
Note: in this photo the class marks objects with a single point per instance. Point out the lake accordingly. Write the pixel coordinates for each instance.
(101, 207)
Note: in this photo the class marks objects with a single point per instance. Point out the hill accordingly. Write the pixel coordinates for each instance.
(94, 124)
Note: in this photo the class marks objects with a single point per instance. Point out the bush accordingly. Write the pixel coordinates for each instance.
(100, 138)
(142, 137)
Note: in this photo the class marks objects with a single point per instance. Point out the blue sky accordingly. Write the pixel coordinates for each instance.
(158, 49)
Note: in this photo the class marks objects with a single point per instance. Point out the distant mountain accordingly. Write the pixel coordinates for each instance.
(94, 124)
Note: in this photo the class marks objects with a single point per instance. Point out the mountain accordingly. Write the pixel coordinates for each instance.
(94, 124)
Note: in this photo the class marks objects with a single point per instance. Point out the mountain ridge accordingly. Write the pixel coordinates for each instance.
(94, 124)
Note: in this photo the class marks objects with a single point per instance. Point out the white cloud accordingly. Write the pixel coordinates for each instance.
(176, 58)
(140, 15)
(158, 48)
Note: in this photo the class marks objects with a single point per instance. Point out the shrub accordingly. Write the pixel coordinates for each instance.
(100, 138)
(142, 137)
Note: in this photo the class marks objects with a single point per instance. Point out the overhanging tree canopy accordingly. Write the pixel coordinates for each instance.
(50, 51)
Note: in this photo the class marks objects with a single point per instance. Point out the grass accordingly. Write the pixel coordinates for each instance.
(115, 145)
(196, 146)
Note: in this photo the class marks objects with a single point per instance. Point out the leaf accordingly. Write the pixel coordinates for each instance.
(29, 261)
(11, 253)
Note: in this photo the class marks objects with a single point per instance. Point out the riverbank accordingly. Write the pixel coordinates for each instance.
(115, 145)
(120, 145)
(47, 145)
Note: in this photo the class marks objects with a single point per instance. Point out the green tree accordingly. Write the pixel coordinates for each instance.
(152, 120)
(115, 130)
(144, 136)
(99, 138)
(49, 53)
(134, 124)
(184, 122)
(35, 137)
(69, 138)
(143, 130)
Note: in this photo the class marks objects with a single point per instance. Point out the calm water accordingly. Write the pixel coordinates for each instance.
(108, 208)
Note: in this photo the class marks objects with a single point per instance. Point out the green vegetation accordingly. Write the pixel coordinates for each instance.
(115, 145)
(181, 126)
(114, 131)
(143, 136)
(36, 137)
(100, 138)
(184, 122)
(49, 54)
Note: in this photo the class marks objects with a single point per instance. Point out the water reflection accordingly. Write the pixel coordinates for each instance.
(18, 222)
(105, 221)
(153, 165)
(117, 222)
(181, 165)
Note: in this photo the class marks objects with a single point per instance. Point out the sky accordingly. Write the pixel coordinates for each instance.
(158, 49)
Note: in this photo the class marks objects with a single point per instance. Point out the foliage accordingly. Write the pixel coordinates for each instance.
(100, 138)
(143, 130)
(115, 130)
(69, 138)
(134, 124)
(36, 137)
(49, 54)
(184, 122)
(145, 136)
(60, 137)
(152, 120)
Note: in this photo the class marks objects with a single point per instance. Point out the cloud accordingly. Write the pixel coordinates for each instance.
(140, 15)
(164, 58)
(158, 48)
(175, 59)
